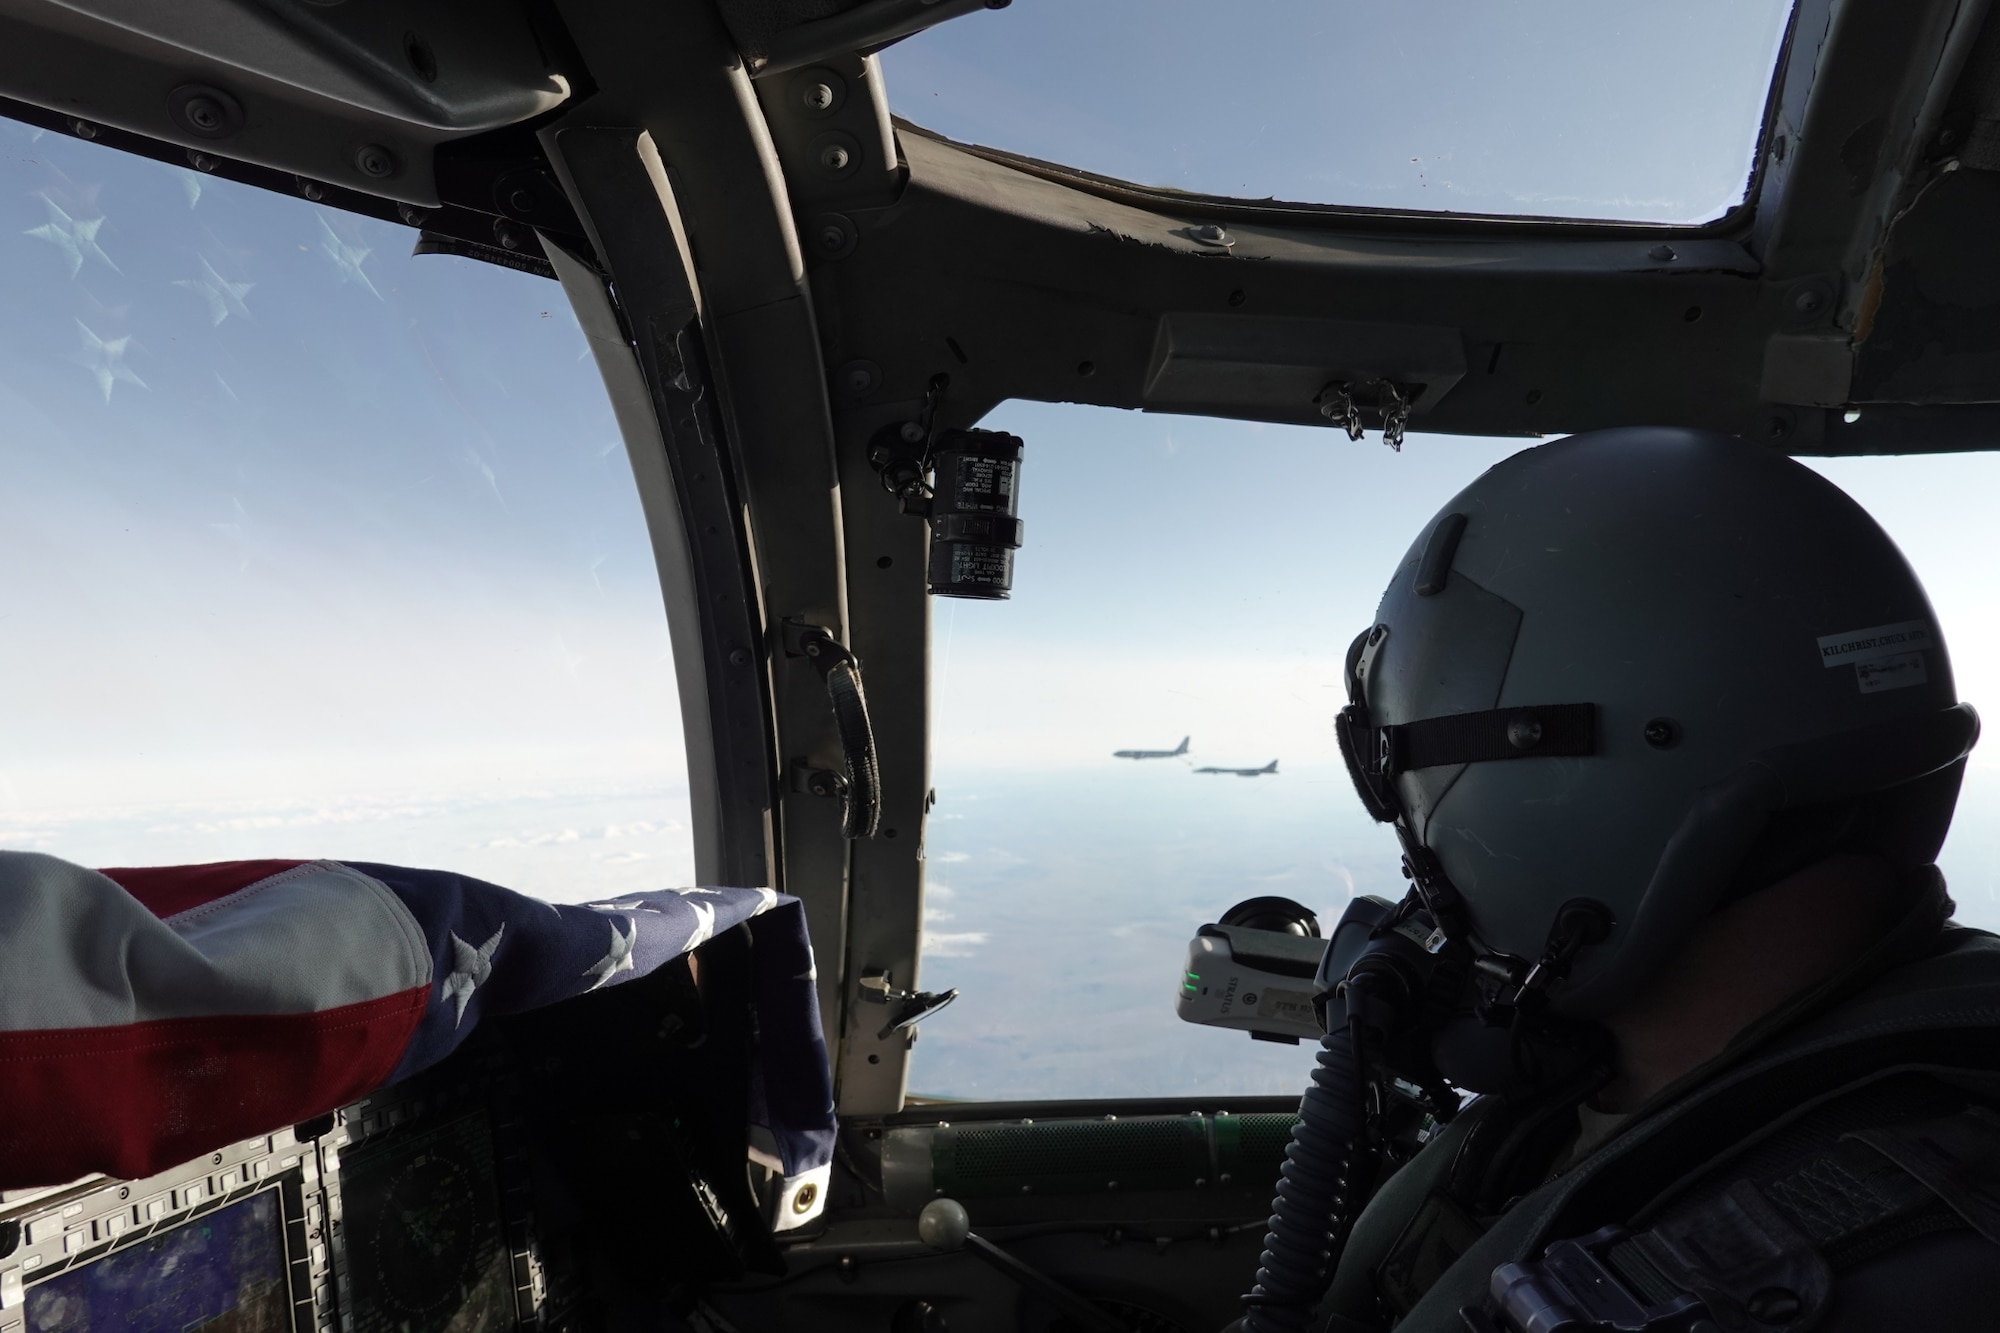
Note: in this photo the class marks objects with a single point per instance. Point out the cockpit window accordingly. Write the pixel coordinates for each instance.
(1201, 579)
(1588, 109)
(310, 547)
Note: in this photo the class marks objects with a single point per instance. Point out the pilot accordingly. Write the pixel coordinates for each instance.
(1666, 726)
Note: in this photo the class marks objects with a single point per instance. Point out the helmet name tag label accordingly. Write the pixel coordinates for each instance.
(1887, 657)
(1891, 673)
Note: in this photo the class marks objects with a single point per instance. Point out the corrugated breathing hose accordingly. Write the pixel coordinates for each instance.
(1325, 1162)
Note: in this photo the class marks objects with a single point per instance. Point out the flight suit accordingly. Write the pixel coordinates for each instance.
(1837, 1167)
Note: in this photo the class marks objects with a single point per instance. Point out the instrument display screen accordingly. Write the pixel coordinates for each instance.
(423, 1236)
(223, 1272)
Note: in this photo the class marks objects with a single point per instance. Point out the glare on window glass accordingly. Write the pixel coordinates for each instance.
(310, 547)
(1202, 579)
(1612, 109)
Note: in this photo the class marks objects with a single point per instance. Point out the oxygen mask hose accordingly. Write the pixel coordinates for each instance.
(1325, 1162)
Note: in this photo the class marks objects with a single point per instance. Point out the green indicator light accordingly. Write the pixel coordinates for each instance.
(1193, 976)
(1189, 986)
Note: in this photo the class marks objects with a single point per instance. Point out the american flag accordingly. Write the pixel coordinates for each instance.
(150, 1015)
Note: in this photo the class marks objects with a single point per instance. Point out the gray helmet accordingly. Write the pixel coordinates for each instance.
(1628, 674)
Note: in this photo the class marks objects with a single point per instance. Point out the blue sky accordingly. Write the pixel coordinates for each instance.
(1570, 108)
(306, 543)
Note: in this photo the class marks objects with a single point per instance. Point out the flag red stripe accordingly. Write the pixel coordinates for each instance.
(130, 1101)
(167, 890)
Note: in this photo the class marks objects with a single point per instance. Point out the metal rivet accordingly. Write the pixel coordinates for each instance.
(808, 1195)
(737, 657)
(1809, 300)
(1213, 233)
(1663, 253)
(1661, 733)
(912, 432)
(1524, 733)
(202, 162)
(1086, 367)
(310, 189)
(413, 215)
(858, 378)
(1691, 314)
(1534, 396)
(83, 129)
(1237, 297)
(372, 159)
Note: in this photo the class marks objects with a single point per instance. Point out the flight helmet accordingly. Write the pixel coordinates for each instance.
(1629, 675)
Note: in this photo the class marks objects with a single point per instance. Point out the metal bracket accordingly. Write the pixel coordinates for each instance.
(1341, 404)
(911, 1007)
(815, 781)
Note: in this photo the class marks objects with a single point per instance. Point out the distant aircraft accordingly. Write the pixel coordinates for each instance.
(1271, 767)
(1152, 754)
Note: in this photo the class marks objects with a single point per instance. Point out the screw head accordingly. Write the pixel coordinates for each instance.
(831, 237)
(523, 200)
(835, 157)
(205, 114)
(737, 657)
(1809, 300)
(375, 161)
(1661, 733)
(912, 432)
(205, 111)
(817, 97)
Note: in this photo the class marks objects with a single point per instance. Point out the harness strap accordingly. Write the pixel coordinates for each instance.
(1762, 1256)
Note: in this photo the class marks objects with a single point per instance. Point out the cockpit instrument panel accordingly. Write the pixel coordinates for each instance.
(391, 1216)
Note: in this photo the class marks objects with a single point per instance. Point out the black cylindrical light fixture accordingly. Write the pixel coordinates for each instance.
(974, 531)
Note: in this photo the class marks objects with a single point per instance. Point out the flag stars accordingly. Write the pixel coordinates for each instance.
(346, 258)
(470, 969)
(618, 958)
(104, 358)
(225, 298)
(77, 240)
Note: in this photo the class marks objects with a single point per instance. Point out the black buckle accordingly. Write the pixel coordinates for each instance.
(1574, 1288)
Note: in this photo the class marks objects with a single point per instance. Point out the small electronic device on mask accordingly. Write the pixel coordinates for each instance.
(1243, 974)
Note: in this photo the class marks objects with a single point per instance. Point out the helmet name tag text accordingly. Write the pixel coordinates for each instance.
(1887, 657)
